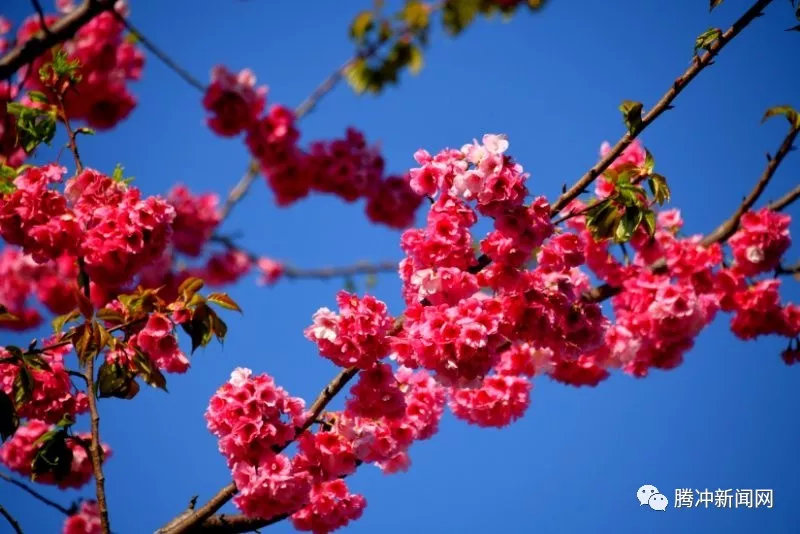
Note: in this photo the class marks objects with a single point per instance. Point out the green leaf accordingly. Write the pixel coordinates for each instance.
(114, 380)
(602, 218)
(118, 174)
(61, 67)
(631, 115)
(415, 62)
(219, 328)
(415, 15)
(149, 372)
(199, 327)
(223, 300)
(9, 420)
(62, 320)
(7, 177)
(658, 186)
(5, 315)
(110, 315)
(22, 387)
(189, 287)
(789, 112)
(89, 339)
(650, 222)
(706, 39)
(649, 162)
(85, 131)
(54, 455)
(458, 14)
(361, 25)
(34, 360)
(38, 96)
(34, 126)
(627, 225)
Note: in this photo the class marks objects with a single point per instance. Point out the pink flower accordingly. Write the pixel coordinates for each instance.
(271, 271)
(233, 100)
(196, 217)
(158, 341)
(331, 506)
(499, 401)
(761, 240)
(18, 453)
(357, 336)
(324, 456)
(251, 415)
(634, 154)
(85, 521)
(270, 488)
(376, 394)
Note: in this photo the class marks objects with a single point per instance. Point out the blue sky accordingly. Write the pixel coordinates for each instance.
(552, 81)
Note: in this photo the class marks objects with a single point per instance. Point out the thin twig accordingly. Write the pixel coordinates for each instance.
(192, 518)
(42, 20)
(724, 230)
(319, 273)
(73, 145)
(94, 448)
(305, 107)
(63, 509)
(785, 200)
(59, 31)
(161, 55)
(727, 228)
(698, 64)
(239, 190)
(791, 269)
(11, 521)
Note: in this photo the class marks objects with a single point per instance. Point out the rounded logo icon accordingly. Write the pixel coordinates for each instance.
(645, 492)
(658, 502)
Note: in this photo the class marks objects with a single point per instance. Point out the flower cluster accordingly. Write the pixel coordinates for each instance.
(18, 454)
(196, 217)
(762, 239)
(85, 521)
(11, 153)
(21, 277)
(331, 506)
(106, 222)
(233, 100)
(52, 394)
(347, 167)
(107, 60)
(357, 335)
(157, 340)
(251, 415)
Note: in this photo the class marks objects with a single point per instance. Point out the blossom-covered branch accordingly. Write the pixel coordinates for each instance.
(727, 228)
(26, 52)
(665, 103)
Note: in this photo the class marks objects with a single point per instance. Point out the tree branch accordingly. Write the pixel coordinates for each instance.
(698, 64)
(785, 200)
(161, 55)
(320, 273)
(727, 228)
(11, 521)
(192, 519)
(60, 31)
(64, 510)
